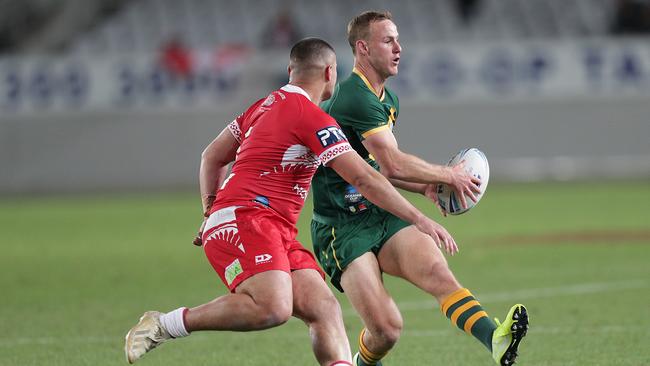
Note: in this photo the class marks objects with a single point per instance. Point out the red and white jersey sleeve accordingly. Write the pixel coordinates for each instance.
(323, 136)
(283, 139)
(237, 125)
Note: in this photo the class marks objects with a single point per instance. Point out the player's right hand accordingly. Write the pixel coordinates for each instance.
(198, 239)
(464, 184)
(440, 235)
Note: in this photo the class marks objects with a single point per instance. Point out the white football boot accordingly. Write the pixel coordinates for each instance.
(145, 336)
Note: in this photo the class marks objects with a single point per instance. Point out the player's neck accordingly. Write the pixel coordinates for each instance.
(314, 91)
(376, 81)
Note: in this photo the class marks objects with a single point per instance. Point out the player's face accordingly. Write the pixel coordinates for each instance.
(384, 48)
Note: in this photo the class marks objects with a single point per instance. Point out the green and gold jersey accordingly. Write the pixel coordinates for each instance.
(360, 112)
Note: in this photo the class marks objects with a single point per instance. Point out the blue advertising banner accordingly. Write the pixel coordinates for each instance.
(525, 70)
(431, 73)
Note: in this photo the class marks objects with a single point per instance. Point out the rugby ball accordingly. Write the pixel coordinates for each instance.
(476, 164)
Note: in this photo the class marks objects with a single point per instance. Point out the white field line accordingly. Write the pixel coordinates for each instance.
(303, 333)
(521, 295)
(44, 341)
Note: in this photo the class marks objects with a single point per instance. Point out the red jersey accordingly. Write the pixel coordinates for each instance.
(283, 139)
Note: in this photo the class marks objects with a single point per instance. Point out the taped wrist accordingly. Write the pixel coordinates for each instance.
(209, 201)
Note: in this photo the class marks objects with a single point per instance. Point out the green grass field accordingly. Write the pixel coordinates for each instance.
(77, 272)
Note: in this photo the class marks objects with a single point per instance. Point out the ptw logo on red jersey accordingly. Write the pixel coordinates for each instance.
(330, 136)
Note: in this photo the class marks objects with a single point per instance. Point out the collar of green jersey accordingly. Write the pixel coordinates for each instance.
(365, 80)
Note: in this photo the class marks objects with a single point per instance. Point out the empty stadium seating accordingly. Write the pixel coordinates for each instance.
(143, 25)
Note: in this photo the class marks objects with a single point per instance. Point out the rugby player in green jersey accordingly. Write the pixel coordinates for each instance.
(356, 241)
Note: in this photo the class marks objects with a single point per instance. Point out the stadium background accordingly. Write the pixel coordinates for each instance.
(106, 105)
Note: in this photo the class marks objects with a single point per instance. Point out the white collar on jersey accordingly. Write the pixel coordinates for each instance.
(295, 89)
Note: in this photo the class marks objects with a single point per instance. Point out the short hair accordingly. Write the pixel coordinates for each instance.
(310, 52)
(359, 26)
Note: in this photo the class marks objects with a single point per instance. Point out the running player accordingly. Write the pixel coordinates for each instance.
(356, 242)
(249, 236)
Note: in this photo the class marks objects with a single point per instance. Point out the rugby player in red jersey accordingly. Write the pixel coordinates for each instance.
(249, 235)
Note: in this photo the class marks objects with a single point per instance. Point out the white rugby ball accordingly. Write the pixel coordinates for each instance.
(476, 164)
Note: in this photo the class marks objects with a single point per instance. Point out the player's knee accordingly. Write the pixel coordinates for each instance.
(389, 331)
(275, 317)
(275, 313)
(329, 306)
(319, 309)
(390, 335)
(440, 279)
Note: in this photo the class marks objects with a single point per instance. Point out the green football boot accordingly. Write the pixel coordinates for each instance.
(508, 335)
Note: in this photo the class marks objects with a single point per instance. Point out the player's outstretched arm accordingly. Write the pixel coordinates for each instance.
(409, 171)
(427, 190)
(376, 188)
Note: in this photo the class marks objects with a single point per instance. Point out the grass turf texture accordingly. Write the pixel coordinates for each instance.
(77, 272)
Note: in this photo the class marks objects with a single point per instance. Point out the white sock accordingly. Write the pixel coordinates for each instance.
(173, 323)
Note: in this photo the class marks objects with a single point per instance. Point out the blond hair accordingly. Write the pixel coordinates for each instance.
(359, 26)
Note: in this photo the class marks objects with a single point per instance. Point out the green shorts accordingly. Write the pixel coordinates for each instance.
(338, 242)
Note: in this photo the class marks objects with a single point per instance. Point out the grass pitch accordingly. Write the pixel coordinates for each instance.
(76, 273)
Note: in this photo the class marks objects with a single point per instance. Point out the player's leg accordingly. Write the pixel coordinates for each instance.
(239, 243)
(260, 302)
(414, 256)
(246, 248)
(314, 303)
(364, 287)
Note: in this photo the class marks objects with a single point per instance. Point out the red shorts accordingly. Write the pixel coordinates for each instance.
(242, 241)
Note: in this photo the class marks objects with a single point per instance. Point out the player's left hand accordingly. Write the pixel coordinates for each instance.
(438, 233)
(431, 192)
(207, 201)
(198, 239)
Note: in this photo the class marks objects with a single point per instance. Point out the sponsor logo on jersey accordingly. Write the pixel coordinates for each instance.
(352, 195)
(330, 136)
(233, 270)
(358, 208)
(263, 258)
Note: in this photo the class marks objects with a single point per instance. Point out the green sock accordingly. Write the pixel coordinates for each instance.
(467, 314)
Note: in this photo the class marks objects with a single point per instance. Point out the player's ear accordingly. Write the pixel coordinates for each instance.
(328, 73)
(289, 71)
(361, 46)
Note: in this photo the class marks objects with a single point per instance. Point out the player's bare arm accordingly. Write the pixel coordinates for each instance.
(427, 190)
(376, 188)
(215, 160)
(402, 167)
(214, 165)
